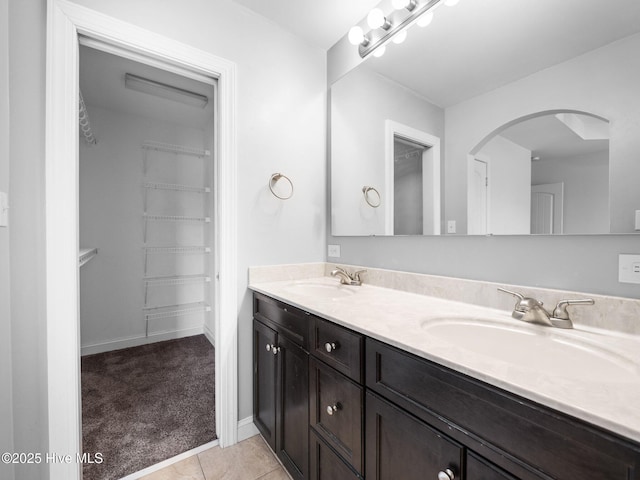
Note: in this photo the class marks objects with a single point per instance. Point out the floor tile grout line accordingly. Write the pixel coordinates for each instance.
(204, 475)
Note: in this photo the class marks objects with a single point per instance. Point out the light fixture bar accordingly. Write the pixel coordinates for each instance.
(399, 20)
(169, 92)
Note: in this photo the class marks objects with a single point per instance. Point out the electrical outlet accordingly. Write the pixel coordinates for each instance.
(333, 251)
(629, 268)
(4, 210)
(451, 226)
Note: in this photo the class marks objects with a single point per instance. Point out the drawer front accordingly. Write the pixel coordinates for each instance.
(326, 464)
(507, 429)
(400, 446)
(339, 347)
(336, 405)
(285, 319)
(479, 469)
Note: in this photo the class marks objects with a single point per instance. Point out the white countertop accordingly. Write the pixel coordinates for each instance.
(399, 319)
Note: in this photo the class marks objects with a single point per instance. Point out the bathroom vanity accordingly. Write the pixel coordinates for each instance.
(375, 399)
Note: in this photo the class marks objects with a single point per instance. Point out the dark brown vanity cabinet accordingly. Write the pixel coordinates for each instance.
(336, 405)
(504, 436)
(281, 381)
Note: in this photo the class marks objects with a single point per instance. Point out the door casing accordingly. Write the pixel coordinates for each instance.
(65, 22)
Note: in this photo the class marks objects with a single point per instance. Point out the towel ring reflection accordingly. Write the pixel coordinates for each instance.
(365, 191)
(272, 182)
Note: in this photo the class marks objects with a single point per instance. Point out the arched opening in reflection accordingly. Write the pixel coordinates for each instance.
(545, 173)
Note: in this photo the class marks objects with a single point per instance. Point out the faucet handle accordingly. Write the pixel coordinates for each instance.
(515, 294)
(356, 274)
(523, 305)
(560, 312)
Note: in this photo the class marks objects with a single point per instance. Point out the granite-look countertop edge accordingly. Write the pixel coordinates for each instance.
(394, 317)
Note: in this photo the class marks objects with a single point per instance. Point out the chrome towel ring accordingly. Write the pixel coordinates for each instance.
(365, 192)
(272, 182)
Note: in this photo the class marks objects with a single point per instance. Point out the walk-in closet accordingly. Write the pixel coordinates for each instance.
(147, 232)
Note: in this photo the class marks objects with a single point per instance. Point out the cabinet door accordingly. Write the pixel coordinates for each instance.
(264, 381)
(399, 445)
(292, 446)
(326, 464)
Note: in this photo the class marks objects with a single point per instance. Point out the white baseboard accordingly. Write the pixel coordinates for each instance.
(246, 429)
(137, 341)
(209, 334)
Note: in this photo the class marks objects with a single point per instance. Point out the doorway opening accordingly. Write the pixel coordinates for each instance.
(147, 214)
(412, 180)
(66, 22)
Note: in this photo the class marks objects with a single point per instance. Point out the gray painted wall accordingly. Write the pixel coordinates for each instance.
(27, 39)
(6, 401)
(579, 263)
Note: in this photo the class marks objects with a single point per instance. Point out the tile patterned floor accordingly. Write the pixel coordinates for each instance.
(250, 459)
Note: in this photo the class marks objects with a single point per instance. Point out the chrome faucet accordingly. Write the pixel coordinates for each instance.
(531, 310)
(347, 278)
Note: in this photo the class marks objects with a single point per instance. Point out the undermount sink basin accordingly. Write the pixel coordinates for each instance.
(321, 290)
(543, 349)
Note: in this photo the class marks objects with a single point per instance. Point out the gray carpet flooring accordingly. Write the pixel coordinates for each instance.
(145, 404)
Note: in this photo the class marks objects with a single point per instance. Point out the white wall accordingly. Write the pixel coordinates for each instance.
(603, 82)
(509, 199)
(360, 104)
(6, 401)
(26, 235)
(111, 206)
(586, 189)
(281, 128)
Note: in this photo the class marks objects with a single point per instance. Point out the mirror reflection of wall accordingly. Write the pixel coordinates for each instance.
(543, 175)
(366, 110)
(485, 83)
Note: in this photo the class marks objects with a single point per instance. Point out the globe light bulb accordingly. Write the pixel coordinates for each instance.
(380, 51)
(376, 18)
(400, 4)
(356, 35)
(425, 19)
(451, 3)
(400, 37)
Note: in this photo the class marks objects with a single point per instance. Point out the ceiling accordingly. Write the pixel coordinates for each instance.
(102, 85)
(320, 22)
(550, 139)
(478, 46)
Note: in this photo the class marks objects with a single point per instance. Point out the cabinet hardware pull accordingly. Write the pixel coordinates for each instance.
(331, 409)
(446, 474)
(330, 347)
(275, 350)
(268, 347)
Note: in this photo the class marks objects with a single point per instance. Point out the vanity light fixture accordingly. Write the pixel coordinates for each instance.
(144, 85)
(376, 19)
(393, 27)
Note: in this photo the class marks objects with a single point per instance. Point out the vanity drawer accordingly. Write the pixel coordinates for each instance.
(504, 428)
(336, 411)
(339, 347)
(285, 319)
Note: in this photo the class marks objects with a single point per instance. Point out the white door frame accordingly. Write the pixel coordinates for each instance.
(65, 21)
(431, 156)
